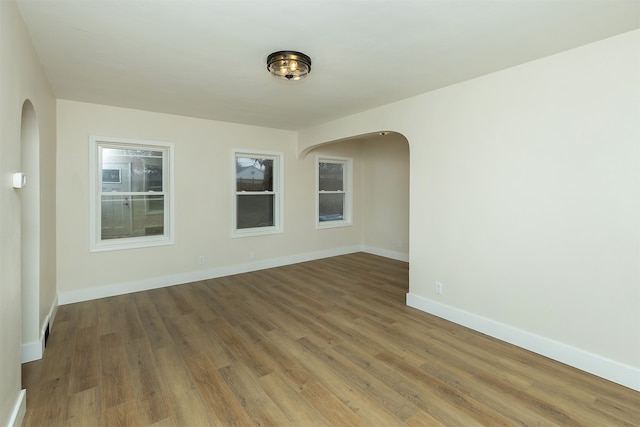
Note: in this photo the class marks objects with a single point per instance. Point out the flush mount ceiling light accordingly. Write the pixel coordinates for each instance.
(288, 64)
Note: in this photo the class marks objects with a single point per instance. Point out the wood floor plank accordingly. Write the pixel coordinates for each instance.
(175, 380)
(47, 403)
(490, 397)
(622, 414)
(286, 317)
(354, 396)
(255, 401)
(292, 404)
(122, 415)
(87, 314)
(465, 404)
(197, 296)
(142, 368)
(111, 315)
(188, 409)
(546, 409)
(85, 360)
(275, 348)
(413, 390)
(292, 368)
(241, 349)
(185, 332)
(422, 419)
(83, 408)
(152, 409)
(155, 330)
(31, 373)
(325, 342)
(140, 357)
(223, 406)
(134, 330)
(58, 365)
(115, 378)
(383, 397)
(332, 408)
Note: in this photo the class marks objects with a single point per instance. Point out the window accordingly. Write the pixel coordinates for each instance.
(334, 199)
(257, 205)
(132, 193)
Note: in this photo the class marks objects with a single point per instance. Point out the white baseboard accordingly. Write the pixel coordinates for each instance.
(34, 350)
(398, 256)
(20, 408)
(88, 294)
(31, 351)
(51, 316)
(585, 361)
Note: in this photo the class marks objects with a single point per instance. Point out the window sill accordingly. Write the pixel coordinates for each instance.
(251, 232)
(131, 243)
(333, 224)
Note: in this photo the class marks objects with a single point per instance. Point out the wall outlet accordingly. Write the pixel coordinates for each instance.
(438, 288)
(201, 260)
(252, 255)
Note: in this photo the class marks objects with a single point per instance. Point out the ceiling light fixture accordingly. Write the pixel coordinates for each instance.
(288, 64)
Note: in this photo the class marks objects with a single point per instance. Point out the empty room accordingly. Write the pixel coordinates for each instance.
(305, 213)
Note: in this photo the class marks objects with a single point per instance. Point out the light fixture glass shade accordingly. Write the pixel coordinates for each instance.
(289, 65)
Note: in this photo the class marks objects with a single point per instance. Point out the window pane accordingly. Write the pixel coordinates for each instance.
(132, 216)
(154, 205)
(253, 174)
(331, 207)
(131, 170)
(125, 152)
(152, 176)
(255, 211)
(331, 176)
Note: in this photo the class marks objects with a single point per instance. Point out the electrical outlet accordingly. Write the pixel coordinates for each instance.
(252, 255)
(438, 288)
(201, 260)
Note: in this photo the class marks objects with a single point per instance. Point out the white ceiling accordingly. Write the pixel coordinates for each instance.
(207, 58)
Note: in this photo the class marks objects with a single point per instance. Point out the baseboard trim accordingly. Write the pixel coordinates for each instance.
(31, 351)
(398, 256)
(34, 350)
(19, 410)
(580, 359)
(88, 294)
(48, 320)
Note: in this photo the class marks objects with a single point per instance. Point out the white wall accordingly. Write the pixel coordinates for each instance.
(525, 202)
(203, 185)
(21, 78)
(386, 195)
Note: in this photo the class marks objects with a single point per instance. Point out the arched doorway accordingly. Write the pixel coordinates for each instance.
(30, 233)
(383, 162)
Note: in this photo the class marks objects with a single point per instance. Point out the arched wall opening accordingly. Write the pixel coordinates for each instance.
(382, 193)
(32, 345)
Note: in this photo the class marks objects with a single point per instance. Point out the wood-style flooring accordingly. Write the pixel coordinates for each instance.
(322, 343)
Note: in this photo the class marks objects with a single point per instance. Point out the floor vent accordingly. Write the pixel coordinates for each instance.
(46, 335)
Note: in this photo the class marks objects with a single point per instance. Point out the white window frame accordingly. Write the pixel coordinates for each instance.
(278, 204)
(347, 170)
(97, 244)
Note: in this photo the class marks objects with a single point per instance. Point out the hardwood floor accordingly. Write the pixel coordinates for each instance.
(327, 342)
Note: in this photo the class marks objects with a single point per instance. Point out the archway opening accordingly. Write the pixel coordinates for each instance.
(30, 234)
(381, 163)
